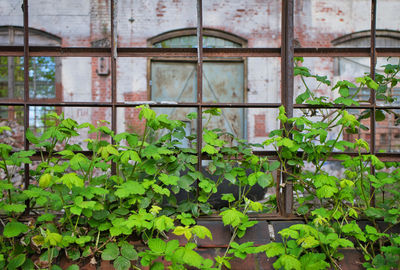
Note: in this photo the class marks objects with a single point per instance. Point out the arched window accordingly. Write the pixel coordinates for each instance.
(223, 79)
(44, 73)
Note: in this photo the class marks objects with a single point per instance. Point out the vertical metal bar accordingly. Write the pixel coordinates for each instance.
(26, 94)
(287, 54)
(113, 75)
(199, 80)
(372, 98)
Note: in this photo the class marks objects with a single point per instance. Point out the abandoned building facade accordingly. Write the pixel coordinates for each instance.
(172, 24)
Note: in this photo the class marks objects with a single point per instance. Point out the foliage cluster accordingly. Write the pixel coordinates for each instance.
(95, 205)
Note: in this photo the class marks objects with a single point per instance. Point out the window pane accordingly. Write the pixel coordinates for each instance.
(11, 78)
(335, 69)
(128, 121)
(263, 80)
(259, 124)
(13, 117)
(42, 77)
(40, 121)
(82, 79)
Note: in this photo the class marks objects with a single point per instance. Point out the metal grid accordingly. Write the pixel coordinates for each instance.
(287, 52)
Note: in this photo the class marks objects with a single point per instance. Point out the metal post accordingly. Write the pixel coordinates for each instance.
(372, 98)
(287, 54)
(26, 94)
(113, 75)
(199, 80)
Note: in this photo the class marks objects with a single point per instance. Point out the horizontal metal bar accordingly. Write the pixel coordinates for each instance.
(332, 52)
(170, 104)
(385, 157)
(242, 52)
(254, 216)
(191, 52)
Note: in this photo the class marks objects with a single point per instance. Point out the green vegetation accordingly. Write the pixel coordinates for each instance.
(79, 209)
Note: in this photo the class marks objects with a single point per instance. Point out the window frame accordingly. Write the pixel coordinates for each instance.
(286, 53)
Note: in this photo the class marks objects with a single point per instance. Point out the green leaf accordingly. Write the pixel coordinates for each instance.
(16, 262)
(14, 228)
(228, 197)
(191, 257)
(122, 263)
(287, 262)
(326, 191)
(157, 245)
(171, 247)
(31, 137)
(129, 188)
(157, 266)
(169, 179)
(73, 267)
(201, 232)
(16, 208)
(45, 180)
(286, 233)
(164, 223)
(379, 115)
(274, 165)
(232, 217)
(272, 249)
(314, 261)
(53, 239)
(46, 217)
(71, 180)
(211, 150)
(128, 252)
(344, 91)
(230, 177)
(110, 253)
(307, 242)
(265, 180)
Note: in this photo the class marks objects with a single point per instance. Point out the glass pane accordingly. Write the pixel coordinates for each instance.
(78, 79)
(13, 117)
(40, 121)
(141, 20)
(128, 121)
(335, 69)
(319, 23)
(73, 23)
(387, 69)
(263, 80)
(231, 121)
(260, 123)
(42, 77)
(362, 132)
(132, 79)
(387, 131)
(11, 78)
(176, 81)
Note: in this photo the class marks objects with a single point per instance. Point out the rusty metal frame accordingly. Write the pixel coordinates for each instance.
(200, 54)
